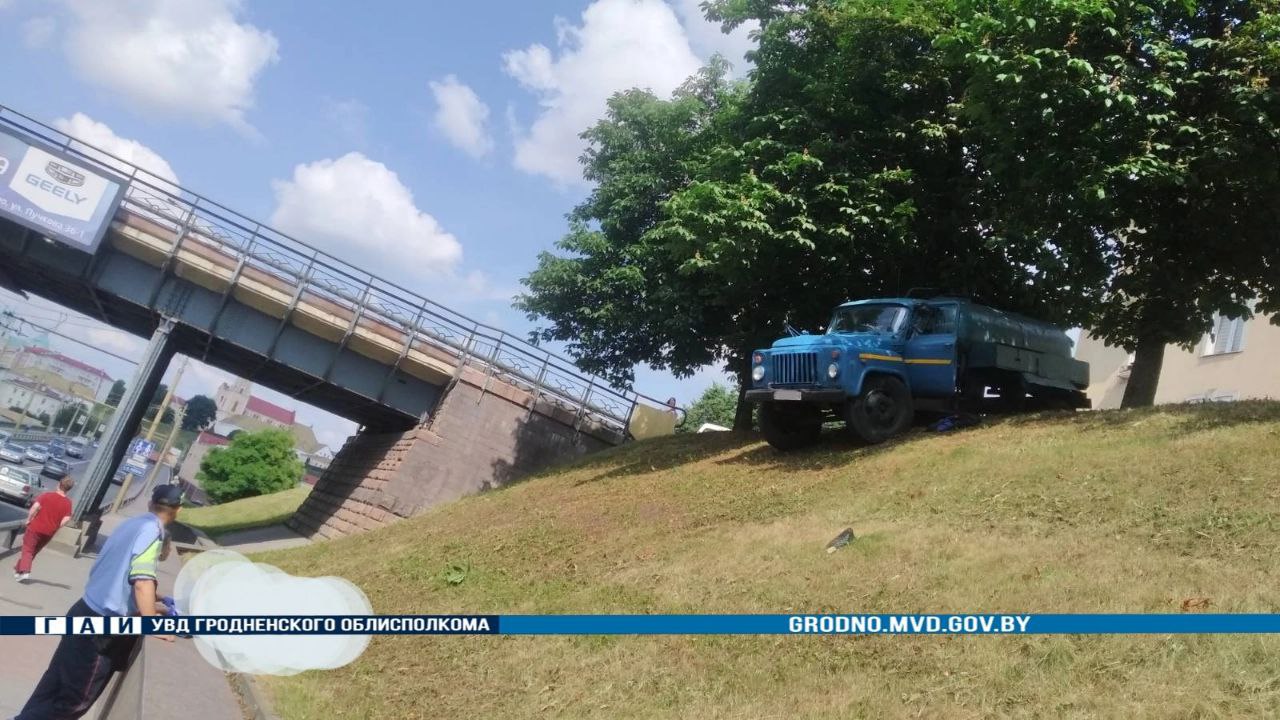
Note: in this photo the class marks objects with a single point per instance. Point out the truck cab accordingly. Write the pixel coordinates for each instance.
(881, 361)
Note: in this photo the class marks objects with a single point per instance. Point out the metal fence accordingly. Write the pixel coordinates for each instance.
(320, 276)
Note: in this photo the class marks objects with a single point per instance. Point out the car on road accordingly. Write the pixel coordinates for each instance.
(57, 447)
(4, 437)
(13, 452)
(53, 467)
(38, 453)
(76, 448)
(21, 486)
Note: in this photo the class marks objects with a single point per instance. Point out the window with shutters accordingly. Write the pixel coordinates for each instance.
(1226, 336)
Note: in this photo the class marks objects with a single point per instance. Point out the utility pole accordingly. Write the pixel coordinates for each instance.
(168, 397)
(151, 431)
(168, 443)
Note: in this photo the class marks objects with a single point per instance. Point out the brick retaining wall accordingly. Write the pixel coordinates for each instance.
(480, 438)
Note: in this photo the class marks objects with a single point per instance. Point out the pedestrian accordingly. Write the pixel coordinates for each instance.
(123, 581)
(47, 515)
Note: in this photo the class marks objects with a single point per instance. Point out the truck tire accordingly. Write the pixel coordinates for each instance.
(882, 410)
(790, 426)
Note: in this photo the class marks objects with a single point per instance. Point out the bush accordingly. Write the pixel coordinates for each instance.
(255, 463)
(717, 405)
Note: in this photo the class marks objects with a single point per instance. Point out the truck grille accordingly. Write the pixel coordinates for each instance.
(794, 369)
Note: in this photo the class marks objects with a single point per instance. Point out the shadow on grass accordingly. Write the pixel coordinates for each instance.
(835, 448)
(659, 454)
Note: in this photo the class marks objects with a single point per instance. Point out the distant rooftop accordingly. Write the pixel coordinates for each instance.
(271, 410)
(67, 360)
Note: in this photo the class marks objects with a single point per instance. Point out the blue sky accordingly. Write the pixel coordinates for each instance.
(433, 142)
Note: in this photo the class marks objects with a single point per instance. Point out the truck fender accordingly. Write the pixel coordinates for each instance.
(856, 389)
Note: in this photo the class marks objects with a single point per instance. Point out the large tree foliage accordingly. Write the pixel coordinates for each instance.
(615, 295)
(116, 393)
(1147, 130)
(255, 463)
(1106, 163)
(838, 172)
(201, 412)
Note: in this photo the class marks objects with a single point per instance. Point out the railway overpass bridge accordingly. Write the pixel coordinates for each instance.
(446, 405)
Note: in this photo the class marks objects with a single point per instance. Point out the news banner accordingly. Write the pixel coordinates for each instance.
(845, 624)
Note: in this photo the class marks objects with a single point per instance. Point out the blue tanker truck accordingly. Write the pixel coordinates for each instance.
(882, 361)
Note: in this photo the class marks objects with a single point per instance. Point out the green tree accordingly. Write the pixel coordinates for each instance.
(717, 405)
(201, 412)
(154, 406)
(840, 171)
(1143, 134)
(255, 463)
(65, 415)
(116, 393)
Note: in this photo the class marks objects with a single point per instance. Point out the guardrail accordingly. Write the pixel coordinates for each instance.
(548, 376)
(10, 529)
(36, 437)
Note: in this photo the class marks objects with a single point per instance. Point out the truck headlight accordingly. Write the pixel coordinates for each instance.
(757, 373)
(833, 370)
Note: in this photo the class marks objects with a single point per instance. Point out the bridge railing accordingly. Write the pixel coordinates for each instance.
(314, 274)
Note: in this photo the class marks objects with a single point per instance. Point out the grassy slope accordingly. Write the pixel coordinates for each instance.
(1100, 512)
(252, 512)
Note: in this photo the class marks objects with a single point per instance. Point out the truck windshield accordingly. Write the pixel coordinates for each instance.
(887, 319)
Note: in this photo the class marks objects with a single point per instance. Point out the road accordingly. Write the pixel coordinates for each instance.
(78, 466)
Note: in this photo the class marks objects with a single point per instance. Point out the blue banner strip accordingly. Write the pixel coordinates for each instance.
(850, 624)
(949, 624)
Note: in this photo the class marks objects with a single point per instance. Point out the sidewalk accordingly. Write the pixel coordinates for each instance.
(179, 683)
(263, 539)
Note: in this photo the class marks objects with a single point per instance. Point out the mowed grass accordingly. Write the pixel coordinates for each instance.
(1142, 511)
(260, 511)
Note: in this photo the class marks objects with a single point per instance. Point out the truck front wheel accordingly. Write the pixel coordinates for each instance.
(790, 425)
(882, 410)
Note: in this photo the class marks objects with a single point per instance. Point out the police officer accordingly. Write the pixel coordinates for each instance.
(122, 582)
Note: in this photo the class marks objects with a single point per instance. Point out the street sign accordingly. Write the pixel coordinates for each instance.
(135, 459)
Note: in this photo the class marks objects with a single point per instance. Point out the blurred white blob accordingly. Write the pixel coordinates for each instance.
(222, 582)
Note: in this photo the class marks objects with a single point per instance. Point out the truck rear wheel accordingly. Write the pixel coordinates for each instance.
(883, 409)
(790, 425)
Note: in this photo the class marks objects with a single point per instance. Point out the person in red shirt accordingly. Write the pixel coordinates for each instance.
(49, 512)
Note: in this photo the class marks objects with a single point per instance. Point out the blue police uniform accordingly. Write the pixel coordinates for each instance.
(83, 664)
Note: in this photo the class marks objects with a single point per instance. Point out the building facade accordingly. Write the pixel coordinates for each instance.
(75, 377)
(32, 397)
(1236, 360)
(238, 399)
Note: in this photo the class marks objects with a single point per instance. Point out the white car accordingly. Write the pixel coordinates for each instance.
(38, 453)
(12, 452)
(19, 485)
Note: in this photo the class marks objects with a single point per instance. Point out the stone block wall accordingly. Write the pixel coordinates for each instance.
(483, 435)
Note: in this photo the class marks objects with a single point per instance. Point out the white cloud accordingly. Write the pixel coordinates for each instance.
(190, 58)
(91, 132)
(707, 38)
(38, 31)
(462, 117)
(116, 341)
(619, 45)
(359, 211)
(479, 286)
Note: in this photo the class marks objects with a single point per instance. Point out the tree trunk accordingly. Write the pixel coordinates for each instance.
(1144, 376)
(742, 416)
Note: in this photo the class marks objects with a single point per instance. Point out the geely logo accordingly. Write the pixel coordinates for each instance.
(64, 174)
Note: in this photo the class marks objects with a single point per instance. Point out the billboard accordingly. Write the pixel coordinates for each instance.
(54, 195)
